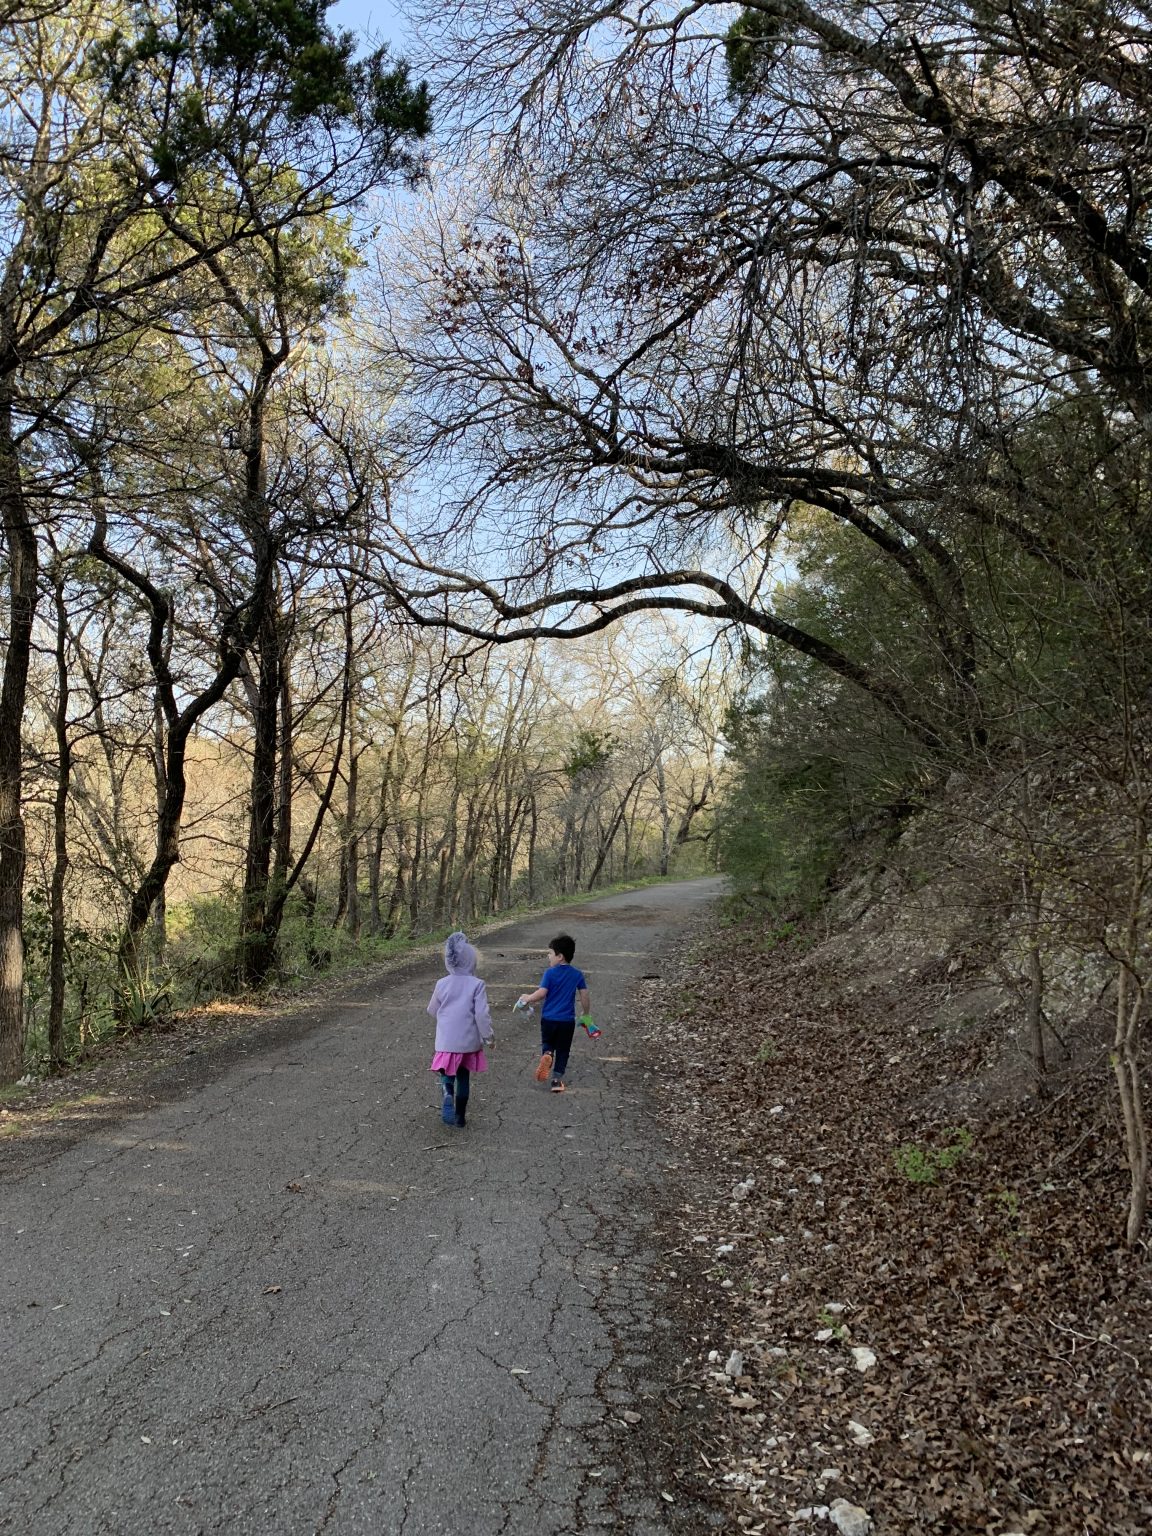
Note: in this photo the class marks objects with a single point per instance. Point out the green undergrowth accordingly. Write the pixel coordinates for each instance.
(921, 1164)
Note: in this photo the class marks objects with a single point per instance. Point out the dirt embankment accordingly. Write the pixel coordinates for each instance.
(905, 1276)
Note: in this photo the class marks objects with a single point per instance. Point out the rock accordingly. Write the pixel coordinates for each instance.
(860, 1433)
(863, 1357)
(714, 1357)
(815, 1178)
(735, 1365)
(849, 1519)
(825, 1334)
(828, 1475)
(834, 1308)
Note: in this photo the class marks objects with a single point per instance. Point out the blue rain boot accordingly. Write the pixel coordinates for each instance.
(448, 1107)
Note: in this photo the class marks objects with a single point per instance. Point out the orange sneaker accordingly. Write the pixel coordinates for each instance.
(544, 1068)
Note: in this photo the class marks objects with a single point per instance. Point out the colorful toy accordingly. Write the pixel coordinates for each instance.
(587, 1023)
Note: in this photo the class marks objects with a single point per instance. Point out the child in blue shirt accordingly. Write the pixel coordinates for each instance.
(563, 992)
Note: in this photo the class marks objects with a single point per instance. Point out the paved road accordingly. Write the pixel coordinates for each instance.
(291, 1301)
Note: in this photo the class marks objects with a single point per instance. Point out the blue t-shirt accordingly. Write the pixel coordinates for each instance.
(561, 982)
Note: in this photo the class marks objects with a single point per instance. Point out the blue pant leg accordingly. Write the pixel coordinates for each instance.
(462, 1090)
(551, 1032)
(561, 1045)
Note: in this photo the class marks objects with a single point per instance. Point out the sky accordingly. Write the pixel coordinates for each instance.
(377, 17)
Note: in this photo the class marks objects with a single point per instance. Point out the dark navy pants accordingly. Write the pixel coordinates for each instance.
(556, 1036)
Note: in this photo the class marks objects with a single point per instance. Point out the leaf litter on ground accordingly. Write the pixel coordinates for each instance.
(987, 1365)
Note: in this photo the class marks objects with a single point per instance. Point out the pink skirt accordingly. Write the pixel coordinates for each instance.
(452, 1061)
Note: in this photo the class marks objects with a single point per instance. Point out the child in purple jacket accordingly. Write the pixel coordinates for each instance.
(463, 1026)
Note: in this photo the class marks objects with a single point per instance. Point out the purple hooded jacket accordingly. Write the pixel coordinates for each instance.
(460, 1003)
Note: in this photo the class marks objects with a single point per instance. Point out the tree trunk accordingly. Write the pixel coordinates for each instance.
(237, 633)
(1126, 1068)
(511, 853)
(533, 831)
(352, 846)
(396, 900)
(282, 852)
(419, 834)
(665, 816)
(341, 887)
(165, 857)
(160, 910)
(1033, 893)
(562, 882)
(257, 949)
(375, 859)
(443, 905)
(1127, 1052)
(413, 893)
(56, 956)
(20, 537)
(696, 804)
(608, 837)
(286, 879)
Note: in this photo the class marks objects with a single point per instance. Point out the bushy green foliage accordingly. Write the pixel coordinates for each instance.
(813, 765)
(256, 57)
(750, 50)
(590, 750)
(780, 827)
(1057, 645)
(143, 999)
(89, 976)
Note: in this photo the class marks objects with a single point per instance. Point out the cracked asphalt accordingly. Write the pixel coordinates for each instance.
(290, 1300)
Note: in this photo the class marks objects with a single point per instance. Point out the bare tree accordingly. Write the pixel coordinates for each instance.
(720, 275)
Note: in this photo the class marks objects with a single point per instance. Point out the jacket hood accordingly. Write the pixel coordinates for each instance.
(459, 956)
